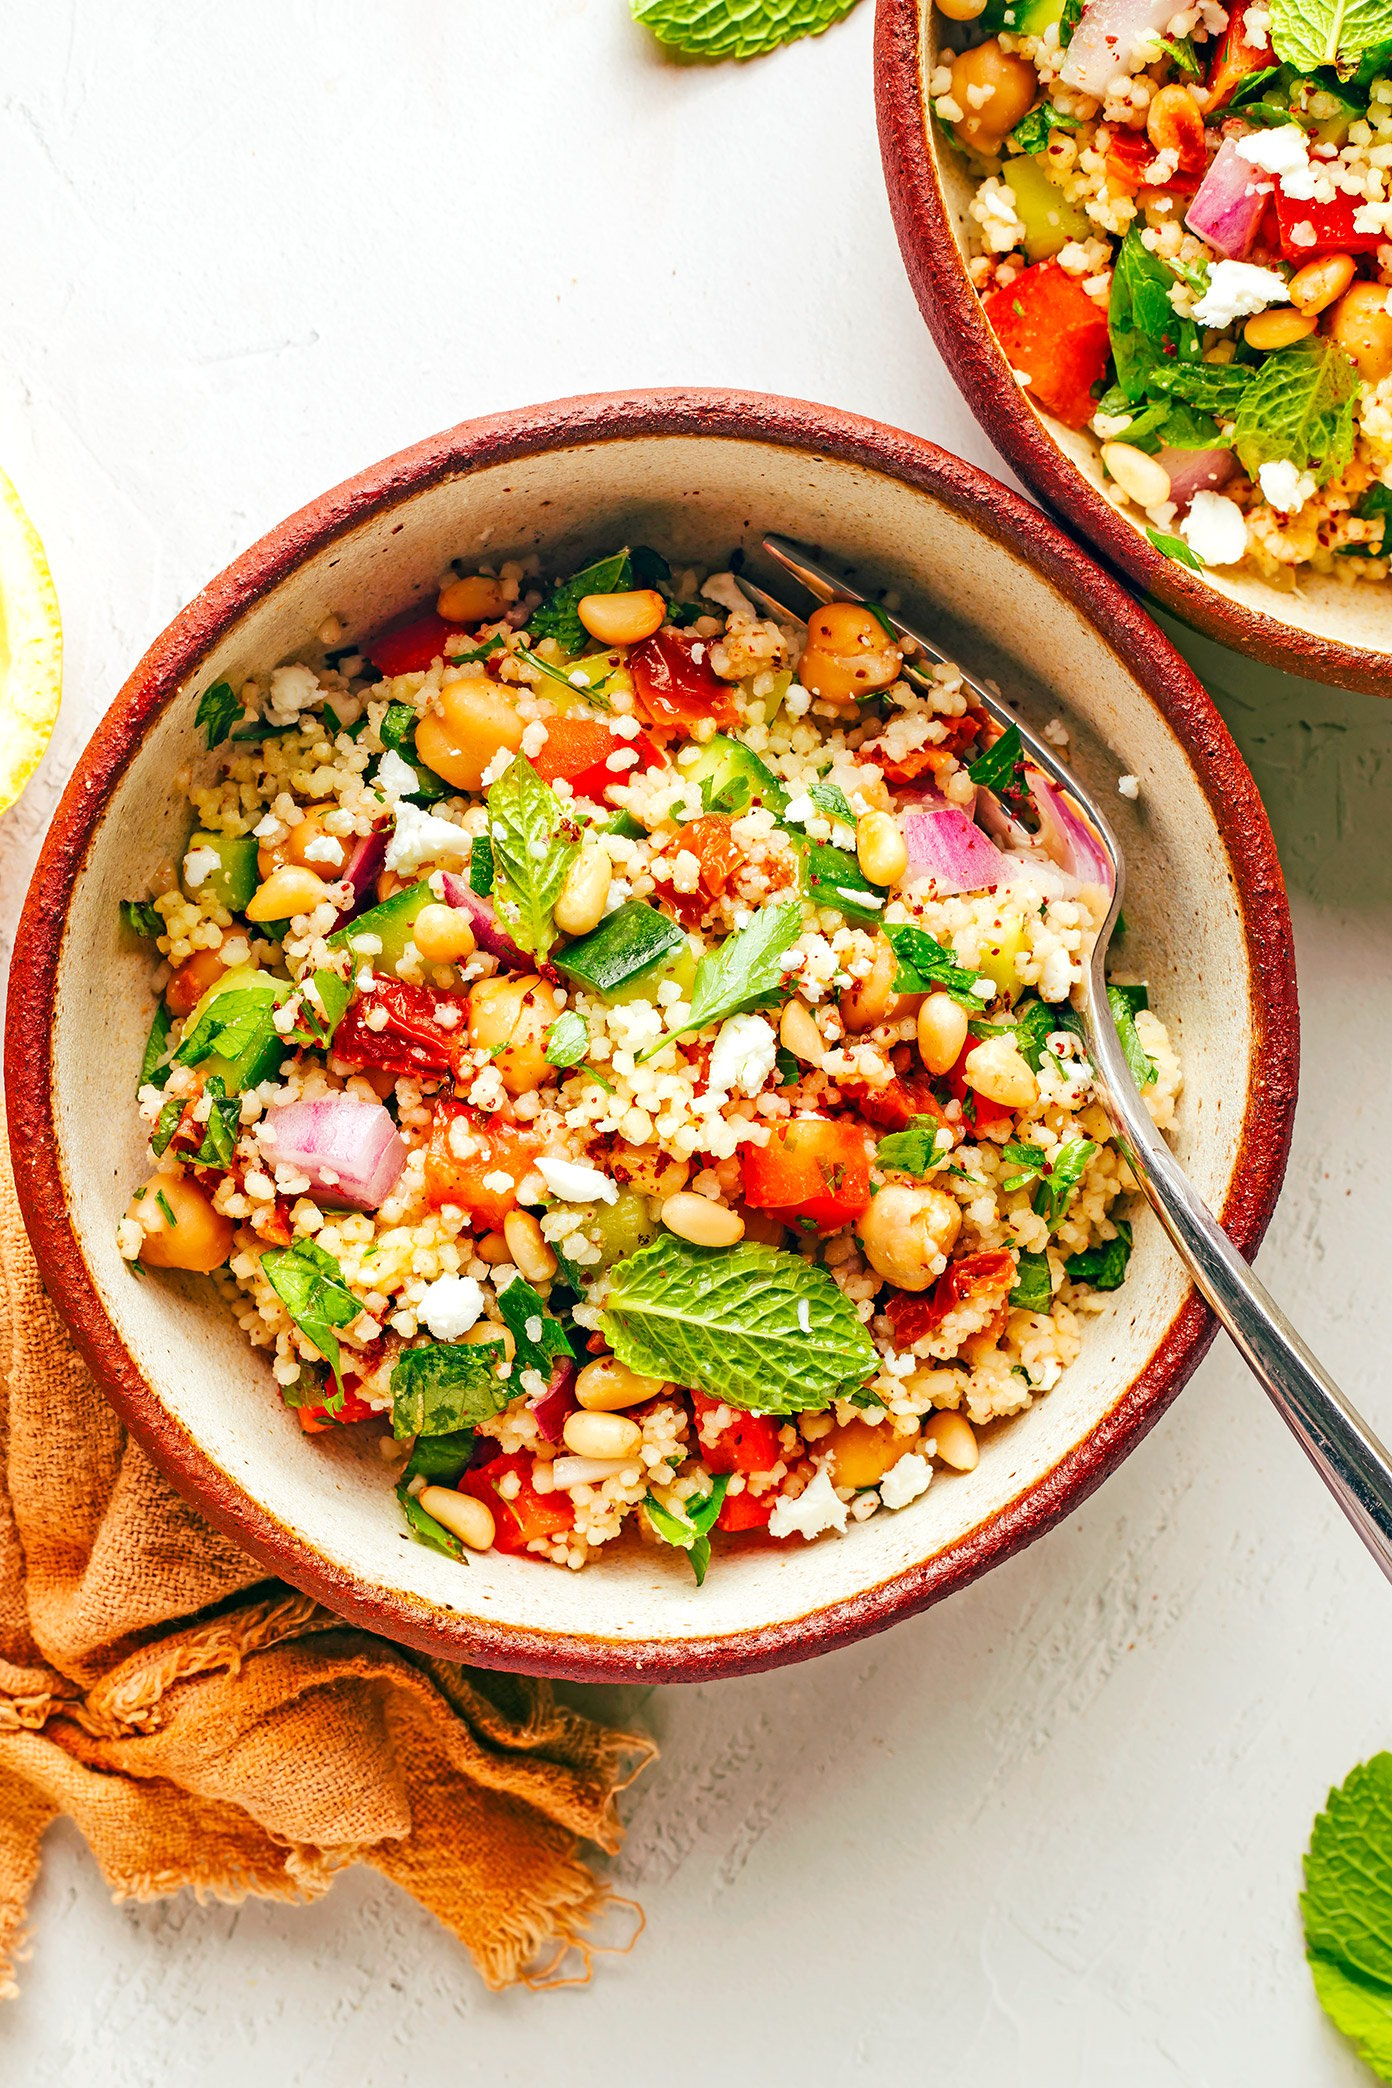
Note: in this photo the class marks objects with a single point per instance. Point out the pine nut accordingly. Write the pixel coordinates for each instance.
(463, 1515)
(868, 1002)
(942, 1031)
(798, 1033)
(289, 890)
(587, 1471)
(606, 1385)
(1318, 283)
(580, 905)
(622, 619)
(705, 1224)
(881, 850)
(478, 599)
(1143, 479)
(591, 1434)
(1278, 328)
(529, 1251)
(948, 1436)
(443, 935)
(996, 1070)
(493, 1248)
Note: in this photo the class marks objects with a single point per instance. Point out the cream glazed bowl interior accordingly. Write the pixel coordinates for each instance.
(1323, 627)
(700, 474)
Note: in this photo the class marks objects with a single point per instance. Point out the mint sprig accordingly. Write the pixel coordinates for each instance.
(1311, 33)
(534, 843)
(309, 1284)
(736, 28)
(690, 1528)
(444, 1386)
(1299, 406)
(1347, 1910)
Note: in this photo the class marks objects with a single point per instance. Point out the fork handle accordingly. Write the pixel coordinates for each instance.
(1334, 1436)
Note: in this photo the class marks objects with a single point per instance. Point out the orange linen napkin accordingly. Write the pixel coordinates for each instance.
(206, 1726)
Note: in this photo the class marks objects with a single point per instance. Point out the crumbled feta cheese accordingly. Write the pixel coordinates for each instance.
(1129, 786)
(396, 778)
(450, 1306)
(573, 1182)
(419, 837)
(905, 1481)
(1284, 486)
(743, 1055)
(725, 589)
(1238, 288)
(1281, 150)
(324, 848)
(814, 1510)
(199, 864)
(1215, 529)
(293, 689)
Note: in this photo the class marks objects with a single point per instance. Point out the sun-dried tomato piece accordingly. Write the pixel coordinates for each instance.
(675, 688)
(413, 1040)
(973, 1280)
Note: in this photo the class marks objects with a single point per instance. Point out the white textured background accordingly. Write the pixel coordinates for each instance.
(1050, 1833)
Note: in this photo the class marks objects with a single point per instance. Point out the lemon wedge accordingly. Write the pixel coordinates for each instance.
(31, 648)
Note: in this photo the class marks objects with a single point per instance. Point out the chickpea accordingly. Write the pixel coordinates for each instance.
(288, 891)
(1277, 328)
(869, 1001)
(310, 846)
(622, 619)
(1361, 323)
(849, 654)
(516, 1014)
(908, 1234)
(864, 1454)
(475, 721)
(1318, 283)
(961, 10)
(996, 1070)
(647, 1169)
(192, 980)
(194, 1237)
(606, 1385)
(443, 935)
(942, 1031)
(1013, 86)
(477, 599)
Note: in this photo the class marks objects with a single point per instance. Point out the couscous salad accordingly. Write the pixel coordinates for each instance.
(619, 1050)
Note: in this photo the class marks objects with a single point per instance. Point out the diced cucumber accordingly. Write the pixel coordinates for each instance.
(624, 824)
(1036, 16)
(632, 942)
(245, 1000)
(680, 968)
(391, 923)
(236, 877)
(621, 1228)
(732, 777)
(1050, 221)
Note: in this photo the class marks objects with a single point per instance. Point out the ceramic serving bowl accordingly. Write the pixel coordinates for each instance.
(1322, 628)
(700, 474)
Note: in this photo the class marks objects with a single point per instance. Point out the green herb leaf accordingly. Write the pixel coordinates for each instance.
(534, 843)
(1059, 1187)
(833, 877)
(1175, 547)
(220, 1130)
(1347, 1910)
(557, 616)
(1310, 33)
(746, 970)
(567, 1040)
(441, 1459)
(1029, 1162)
(1376, 505)
(481, 867)
(166, 1124)
(317, 1030)
(1034, 1288)
(397, 733)
(691, 1527)
(142, 918)
(1181, 49)
(924, 965)
(154, 1068)
(1299, 405)
(236, 1025)
(309, 1284)
(444, 1386)
(755, 1326)
(218, 710)
(1002, 769)
(735, 28)
(1213, 387)
(1068, 22)
(425, 1528)
(539, 1335)
(918, 1149)
(1036, 1021)
(1146, 331)
(831, 799)
(1125, 1002)
(1033, 132)
(1103, 1267)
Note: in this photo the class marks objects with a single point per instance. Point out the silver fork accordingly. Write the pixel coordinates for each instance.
(1337, 1440)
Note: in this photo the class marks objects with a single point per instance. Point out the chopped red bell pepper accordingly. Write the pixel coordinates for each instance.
(974, 1280)
(1235, 60)
(494, 1147)
(816, 1168)
(583, 749)
(528, 1514)
(410, 645)
(979, 1113)
(745, 1511)
(1332, 224)
(413, 1039)
(675, 688)
(1130, 155)
(748, 1443)
(315, 1419)
(1051, 331)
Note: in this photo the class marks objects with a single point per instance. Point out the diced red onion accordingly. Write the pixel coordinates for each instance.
(1109, 35)
(946, 844)
(1065, 839)
(350, 1149)
(1228, 206)
(491, 939)
(363, 868)
(1196, 471)
(558, 1400)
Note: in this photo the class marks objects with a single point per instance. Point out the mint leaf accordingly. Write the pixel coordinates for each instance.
(755, 1326)
(735, 28)
(557, 617)
(309, 1284)
(1146, 331)
(1181, 49)
(1103, 1267)
(1033, 132)
(1028, 1161)
(834, 878)
(539, 1336)
(1375, 506)
(441, 1459)
(220, 1130)
(1299, 405)
(1068, 21)
(534, 843)
(235, 1025)
(166, 1124)
(831, 799)
(154, 1067)
(1309, 33)
(217, 712)
(445, 1386)
(747, 968)
(917, 1149)
(1175, 547)
(924, 964)
(1034, 1287)
(1036, 1022)
(1347, 1910)
(315, 1029)
(567, 1040)
(690, 1528)
(1001, 769)
(1124, 1002)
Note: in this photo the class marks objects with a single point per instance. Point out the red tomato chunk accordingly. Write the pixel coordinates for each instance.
(409, 646)
(1053, 333)
(748, 1443)
(494, 1148)
(590, 757)
(528, 1514)
(675, 688)
(814, 1167)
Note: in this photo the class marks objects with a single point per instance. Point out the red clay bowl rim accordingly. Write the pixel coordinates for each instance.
(950, 305)
(567, 423)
